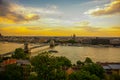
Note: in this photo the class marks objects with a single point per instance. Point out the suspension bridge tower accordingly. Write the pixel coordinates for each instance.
(26, 48)
(52, 43)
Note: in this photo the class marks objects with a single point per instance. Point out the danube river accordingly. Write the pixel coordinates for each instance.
(7, 47)
(99, 54)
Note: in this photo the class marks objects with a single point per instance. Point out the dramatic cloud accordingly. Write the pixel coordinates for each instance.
(48, 11)
(12, 12)
(110, 9)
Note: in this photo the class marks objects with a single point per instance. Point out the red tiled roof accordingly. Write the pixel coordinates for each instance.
(9, 61)
(69, 71)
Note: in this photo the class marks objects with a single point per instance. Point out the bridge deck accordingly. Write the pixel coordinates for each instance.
(32, 48)
(6, 54)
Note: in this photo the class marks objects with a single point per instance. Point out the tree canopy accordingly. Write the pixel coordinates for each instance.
(13, 72)
(82, 75)
(88, 60)
(19, 54)
(50, 68)
(94, 69)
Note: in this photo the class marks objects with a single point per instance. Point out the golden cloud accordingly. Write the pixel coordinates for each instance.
(12, 13)
(110, 9)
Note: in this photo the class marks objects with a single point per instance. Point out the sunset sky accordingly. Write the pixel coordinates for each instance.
(60, 17)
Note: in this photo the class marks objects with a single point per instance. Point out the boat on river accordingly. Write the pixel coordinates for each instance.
(53, 51)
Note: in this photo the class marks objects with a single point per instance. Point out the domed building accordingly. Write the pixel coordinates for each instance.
(74, 37)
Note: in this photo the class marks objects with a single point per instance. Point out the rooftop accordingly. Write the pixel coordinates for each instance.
(115, 66)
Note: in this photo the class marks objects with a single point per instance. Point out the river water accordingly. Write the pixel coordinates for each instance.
(7, 47)
(99, 54)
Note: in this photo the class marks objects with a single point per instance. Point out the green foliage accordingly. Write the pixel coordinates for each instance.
(1, 59)
(82, 75)
(115, 77)
(32, 77)
(52, 68)
(88, 60)
(79, 63)
(13, 72)
(94, 69)
(62, 61)
(48, 67)
(71, 41)
(27, 70)
(19, 54)
(94, 77)
(60, 75)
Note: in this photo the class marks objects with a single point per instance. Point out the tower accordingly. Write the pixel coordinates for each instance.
(52, 43)
(26, 49)
(74, 37)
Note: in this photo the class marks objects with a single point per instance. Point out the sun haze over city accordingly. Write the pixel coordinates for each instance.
(60, 17)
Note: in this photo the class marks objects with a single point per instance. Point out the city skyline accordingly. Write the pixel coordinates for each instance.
(60, 17)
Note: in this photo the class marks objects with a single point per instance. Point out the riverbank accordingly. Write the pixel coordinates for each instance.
(90, 45)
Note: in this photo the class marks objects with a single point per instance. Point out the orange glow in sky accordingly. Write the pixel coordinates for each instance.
(44, 18)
